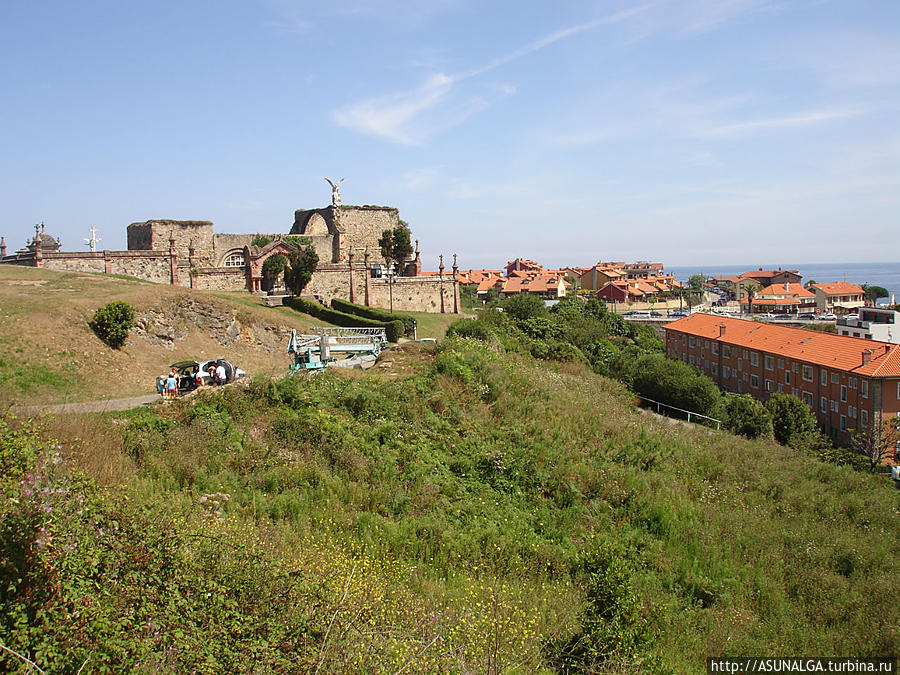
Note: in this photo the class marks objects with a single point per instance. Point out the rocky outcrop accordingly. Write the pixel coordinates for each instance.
(175, 320)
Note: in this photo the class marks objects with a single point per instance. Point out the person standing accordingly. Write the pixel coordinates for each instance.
(220, 374)
(171, 386)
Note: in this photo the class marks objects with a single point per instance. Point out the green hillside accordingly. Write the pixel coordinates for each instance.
(457, 509)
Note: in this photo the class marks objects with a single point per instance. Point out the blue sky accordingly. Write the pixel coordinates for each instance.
(694, 132)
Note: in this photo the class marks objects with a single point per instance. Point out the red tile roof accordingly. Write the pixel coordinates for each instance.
(823, 349)
(840, 288)
(763, 274)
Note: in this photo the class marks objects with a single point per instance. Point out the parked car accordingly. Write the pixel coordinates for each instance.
(827, 316)
(654, 313)
(638, 314)
(807, 316)
(678, 314)
(186, 372)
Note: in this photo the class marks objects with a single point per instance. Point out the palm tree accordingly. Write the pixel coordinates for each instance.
(751, 290)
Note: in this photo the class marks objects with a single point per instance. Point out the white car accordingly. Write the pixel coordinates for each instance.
(186, 372)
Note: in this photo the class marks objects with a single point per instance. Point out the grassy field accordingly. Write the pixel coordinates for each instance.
(456, 509)
(49, 354)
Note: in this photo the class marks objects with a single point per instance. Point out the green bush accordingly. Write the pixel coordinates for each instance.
(471, 328)
(791, 418)
(377, 313)
(393, 329)
(112, 322)
(523, 306)
(746, 416)
(675, 383)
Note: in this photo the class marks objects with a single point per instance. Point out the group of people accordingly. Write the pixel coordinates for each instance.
(168, 385)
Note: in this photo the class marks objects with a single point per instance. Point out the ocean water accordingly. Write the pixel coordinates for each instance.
(886, 275)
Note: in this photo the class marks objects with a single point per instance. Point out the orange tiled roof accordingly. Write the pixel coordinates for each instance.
(840, 288)
(823, 349)
(795, 290)
(761, 274)
(533, 283)
(486, 284)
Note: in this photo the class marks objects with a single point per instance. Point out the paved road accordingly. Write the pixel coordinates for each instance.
(87, 406)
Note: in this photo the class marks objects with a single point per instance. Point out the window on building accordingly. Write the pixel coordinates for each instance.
(702, 353)
(745, 377)
(745, 354)
(787, 377)
(843, 423)
(715, 368)
(795, 368)
(780, 388)
(715, 347)
(823, 404)
(726, 372)
(864, 417)
(726, 352)
(754, 381)
(754, 358)
(823, 380)
(843, 393)
(852, 412)
(852, 383)
(770, 386)
(807, 374)
(864, 388)
(691, 359)
(795, 392)
(234, 260)
(740, 364)
(808, 399)
(834, 405)
(780, 364)
(692, 341)
(835, 378)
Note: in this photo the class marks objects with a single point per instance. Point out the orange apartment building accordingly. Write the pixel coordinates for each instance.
(851, 384)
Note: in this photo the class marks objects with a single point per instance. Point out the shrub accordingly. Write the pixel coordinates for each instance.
(748, 417)
(377, 313)
(471, 328)
(675, 383)
(524, 306)
(112, 322)
(791, 418)
(302, 264)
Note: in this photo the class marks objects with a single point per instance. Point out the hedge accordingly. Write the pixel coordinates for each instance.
(393, 329)
(377, 313)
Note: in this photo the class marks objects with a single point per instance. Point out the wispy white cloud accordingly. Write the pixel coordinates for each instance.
(409, 116)
(802, 120)
(420, 178)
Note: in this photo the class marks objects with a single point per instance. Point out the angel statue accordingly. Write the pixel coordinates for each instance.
(335, 192)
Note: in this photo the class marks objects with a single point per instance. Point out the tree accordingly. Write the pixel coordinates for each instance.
(112, 322)
(272, 268)
(696, 282)
(791, 418)
(748, 417)
(810, 283)
(876, 444)
(524, 306)
(395, 247)
(301, 265)
(751, 290)
(872, 293)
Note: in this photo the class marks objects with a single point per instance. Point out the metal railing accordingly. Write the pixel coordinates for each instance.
(687, 412)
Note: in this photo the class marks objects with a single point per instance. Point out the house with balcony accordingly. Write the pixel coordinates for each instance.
(839, 297)
(787, 298)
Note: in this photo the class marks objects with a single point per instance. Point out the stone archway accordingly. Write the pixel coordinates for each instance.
(257, 257)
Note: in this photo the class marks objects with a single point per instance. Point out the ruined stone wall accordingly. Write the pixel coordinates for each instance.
(413, 294)
(333, 281)
(225, 243)
(148, 265)
(213, 278)
(200, 232)
(361, 227)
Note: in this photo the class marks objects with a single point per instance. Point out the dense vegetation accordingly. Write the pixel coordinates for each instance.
(488, 513)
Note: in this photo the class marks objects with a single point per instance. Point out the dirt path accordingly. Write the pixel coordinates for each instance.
(87, 406)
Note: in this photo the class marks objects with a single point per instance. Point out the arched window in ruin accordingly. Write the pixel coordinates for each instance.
(235, 259)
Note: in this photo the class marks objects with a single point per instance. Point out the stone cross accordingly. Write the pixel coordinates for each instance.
(335, 192)
(92, 242)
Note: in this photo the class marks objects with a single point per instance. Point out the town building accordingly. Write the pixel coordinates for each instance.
(871, 323)
(787, 298)
(736, 286)
(839, 297)
(522, 265)
(598, 276)
(852, 385)
(642, 270)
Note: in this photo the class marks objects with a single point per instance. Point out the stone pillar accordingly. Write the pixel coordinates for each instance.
(2, 247)
(441, 277)
(455, 286)
(38, 247)
(368, 272)
(352, 283)
(107, 263)
(173, 260)
(418, 261)
(191, 262)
